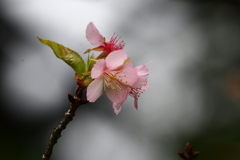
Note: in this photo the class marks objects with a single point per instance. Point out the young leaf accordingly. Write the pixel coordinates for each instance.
(90, 63)
(69, 56)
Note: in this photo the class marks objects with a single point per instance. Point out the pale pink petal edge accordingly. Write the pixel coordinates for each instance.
(94, 90)
(98, 69)
(117, 107)
(116, 59)
(93, 35)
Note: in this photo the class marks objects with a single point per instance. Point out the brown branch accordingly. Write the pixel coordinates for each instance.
(56, 133)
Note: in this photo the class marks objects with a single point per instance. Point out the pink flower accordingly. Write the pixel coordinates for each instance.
(116, 76)
(96, 39)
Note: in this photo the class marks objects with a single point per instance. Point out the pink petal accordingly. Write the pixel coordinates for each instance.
(93, 35)
(136, 103)
(142, 72)
(116, 59)
(145, 87)
(128, 76)
(117, 107)
(94, 90)
(117, 96)
(98, 69)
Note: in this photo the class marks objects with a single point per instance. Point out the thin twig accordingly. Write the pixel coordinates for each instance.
(189, 154)
(56, 133)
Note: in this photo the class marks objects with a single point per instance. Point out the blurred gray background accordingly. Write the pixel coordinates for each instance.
(194, 77)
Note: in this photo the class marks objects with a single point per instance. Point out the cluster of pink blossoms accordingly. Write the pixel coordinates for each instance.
(113, 72)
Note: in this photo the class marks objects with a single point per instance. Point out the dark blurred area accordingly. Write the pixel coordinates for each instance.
(216, 73)
(18, 138)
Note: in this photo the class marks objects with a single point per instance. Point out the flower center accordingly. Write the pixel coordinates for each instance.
(115, 44)
(111, 80)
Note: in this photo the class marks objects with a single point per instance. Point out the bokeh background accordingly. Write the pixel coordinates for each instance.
(194, 78)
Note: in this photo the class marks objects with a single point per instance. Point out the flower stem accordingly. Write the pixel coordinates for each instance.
(56, 133)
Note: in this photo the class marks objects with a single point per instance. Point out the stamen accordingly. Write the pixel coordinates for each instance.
(111, 81)
(135, 92)
(116, 45)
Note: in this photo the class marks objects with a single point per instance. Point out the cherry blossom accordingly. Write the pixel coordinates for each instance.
(96, 39)
(115, 75)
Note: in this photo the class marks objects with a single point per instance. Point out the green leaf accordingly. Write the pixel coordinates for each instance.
(69, 56)
(90, 63)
